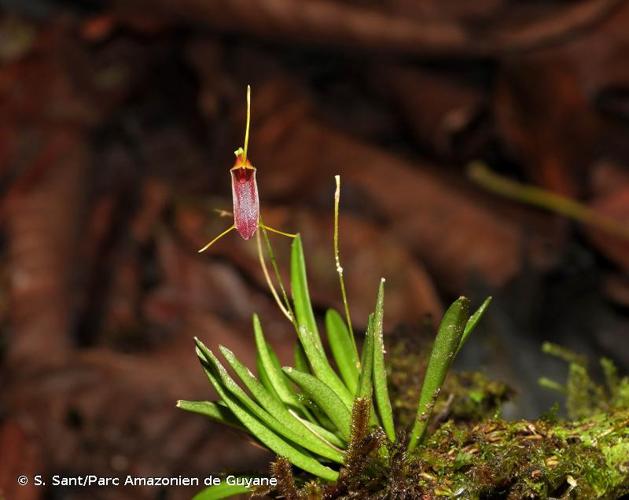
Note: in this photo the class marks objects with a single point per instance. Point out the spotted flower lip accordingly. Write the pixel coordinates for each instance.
(245, 198)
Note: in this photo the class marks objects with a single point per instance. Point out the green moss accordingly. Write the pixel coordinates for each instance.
(472, 454)
(499, 459)
(464, 396)
(584, 396)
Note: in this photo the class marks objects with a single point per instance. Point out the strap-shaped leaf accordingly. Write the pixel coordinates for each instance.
(325, 398)
(309, 439)
(329, 436)
(307, 327)
(319, 417)
(322, 369)
(271, 420)
(473, 321)
(301, 360)
(271, 367)
(215, 411)
(264, 378)
(301, 296)
(379, 370)
(266, 436)
(220, 491)
(343, 349)
(366, 363)
(365, 382)
(268, 385)
(441, 357)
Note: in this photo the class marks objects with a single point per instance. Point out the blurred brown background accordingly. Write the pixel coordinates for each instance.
(118, 124)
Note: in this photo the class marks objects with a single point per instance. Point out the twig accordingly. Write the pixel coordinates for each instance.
(539, 197)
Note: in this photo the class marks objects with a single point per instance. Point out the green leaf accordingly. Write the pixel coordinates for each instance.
(322, 369)
(379, 370)
(343, 349)
(307, 327)
(301, 361)
(473, 321)
(309, 439)
(329, 436)
(325, 398)
(264, 378)
(220, 491)
(365, 382)
(215, 411)
(301, 295)
(266, 436)
(318, 417)
(366, 363)
(270, 419)
(443, 353)
(271, 367)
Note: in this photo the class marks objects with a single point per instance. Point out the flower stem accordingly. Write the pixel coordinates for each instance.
(284, 306)
(337, 259)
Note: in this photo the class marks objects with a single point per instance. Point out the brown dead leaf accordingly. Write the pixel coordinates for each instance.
(389, 27)
(42, 226)
(542, 113)
(19, 456)
(545, 104)
(438, 108)
(616, 288)
(607, 177)
(615, 206)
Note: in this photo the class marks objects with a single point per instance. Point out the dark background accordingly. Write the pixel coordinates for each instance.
(118, 124)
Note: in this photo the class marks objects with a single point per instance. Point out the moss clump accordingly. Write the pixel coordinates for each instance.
(529, 459)
(472, 454)
(468, 397)
(494, 459)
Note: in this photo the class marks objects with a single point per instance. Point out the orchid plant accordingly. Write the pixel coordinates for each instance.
(307, 413)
